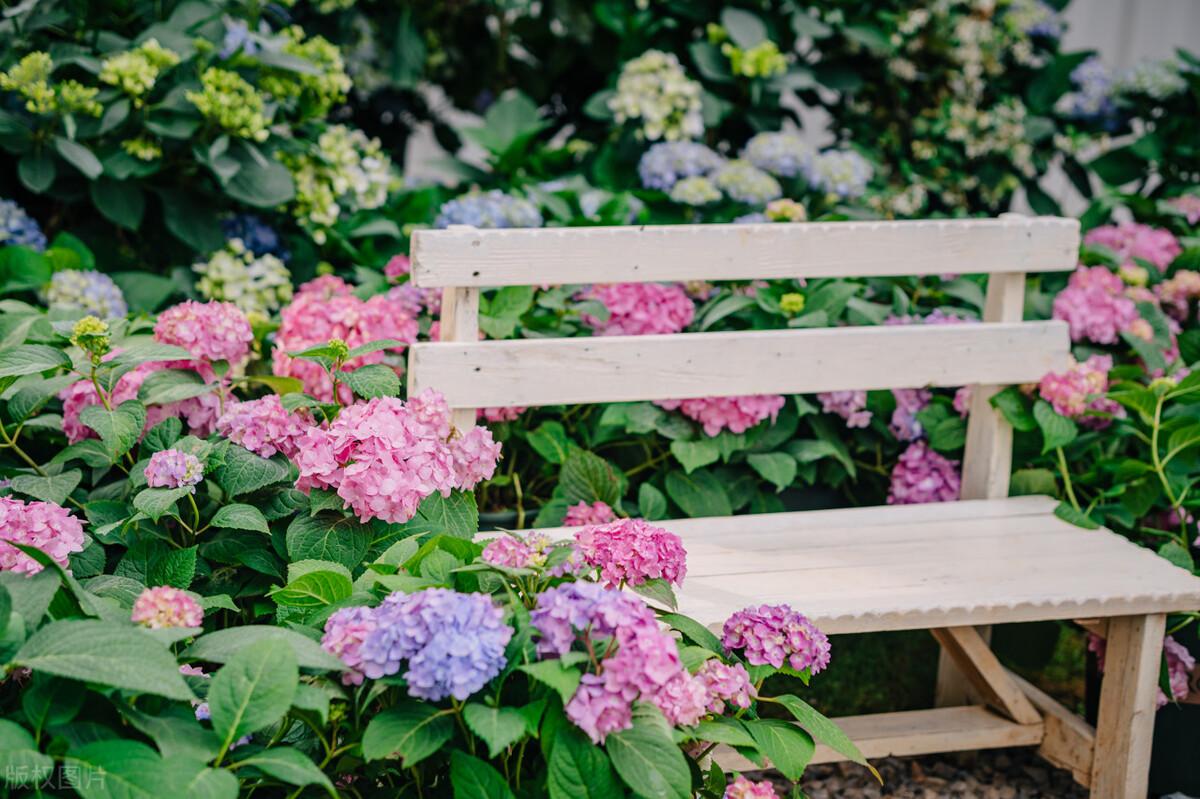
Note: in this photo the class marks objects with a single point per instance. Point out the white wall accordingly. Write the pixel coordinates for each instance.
(1126, 31)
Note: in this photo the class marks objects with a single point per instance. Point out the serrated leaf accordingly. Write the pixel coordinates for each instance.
(241, 517)
(290, 765)
(555, 674)
(777, 468)
(1057, 430)
(51, 488)
(119, 428)
(159, 502)
(253, 690)
(220, 646)
(243, 472)
(373, 380)
(31, 359)
(786, 746)
(647, 759)
(694, 454)
(586, 477)
(499, 727)
(410, 730)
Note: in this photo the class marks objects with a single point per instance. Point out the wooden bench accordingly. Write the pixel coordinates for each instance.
(953, 568)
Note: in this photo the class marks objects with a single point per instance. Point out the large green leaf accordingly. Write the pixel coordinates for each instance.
(1057, 430)
(411, 730)
(788, 747)
(373, 380)
(456, 515)
(694, 454)
(777, 468)
(119, 428)
(241, 517)
(647, 758)
(20, 761)
(29, 359)
(104, 652)
(79, 156)
(159, 502)
(51, 488)
(222, 645)
(698, 494)
(288, 765)
(120, 769)
(243, 471)
(580, 770)
(315, 587)
(499, 727)
(171, 385)
(473, 778)
(261, 182)
(586, 477)
(253, 690)
(824, 730)
(341, 539)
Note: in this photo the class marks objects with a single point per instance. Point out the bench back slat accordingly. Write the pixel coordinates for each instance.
(626, 368)
(469, 257)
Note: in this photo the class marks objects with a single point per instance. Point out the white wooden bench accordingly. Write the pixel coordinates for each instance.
(952, 568)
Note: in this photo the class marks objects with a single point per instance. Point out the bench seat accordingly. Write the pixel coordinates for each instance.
(899, 567)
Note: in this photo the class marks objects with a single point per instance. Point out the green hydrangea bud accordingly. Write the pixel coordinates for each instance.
(228, 99)
(340, 350)
(791, 303)
(91, 335)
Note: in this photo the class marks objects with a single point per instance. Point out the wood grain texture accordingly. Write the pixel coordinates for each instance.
(470, 257)
(1125, 724)
(1069, 742)
(622, 368)
(459, 322)
(975, 660)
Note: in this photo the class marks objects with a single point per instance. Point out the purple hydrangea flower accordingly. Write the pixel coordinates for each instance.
(922, 475)
(493, 209)
(171, 468)
(777, 635)
(18, 227)
(668, 162)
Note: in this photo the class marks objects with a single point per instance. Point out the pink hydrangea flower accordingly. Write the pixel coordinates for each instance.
(909, 402)
(962, 401)
(382, 458)
(396, 267)
(743, 788)
(1189, 205)
(735, 414)
(683, 699)
(632, 551)
(344, 634)
(517, 553)
(850, 405)
(777, 635)
(326, 309)
(637, 309)
(1079, 391)
(262, 426)
(164, 606)
(170, 468)
(213, 331)
(494, 415)
(582, 513)
(1180, 664)
(1130, 240)
(922, 475)
(51, 528)
(1177, 293)
(725, 683)
(1095, 306)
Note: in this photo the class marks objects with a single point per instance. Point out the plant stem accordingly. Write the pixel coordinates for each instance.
(1066, 474)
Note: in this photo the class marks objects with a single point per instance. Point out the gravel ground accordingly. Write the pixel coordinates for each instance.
(995, 774)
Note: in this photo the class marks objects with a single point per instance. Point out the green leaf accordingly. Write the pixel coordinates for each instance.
(203, 782)
(1015, 407)
(455, 515)
(693, 631)
(744, 27)
(253, 690)
(1033, 481)
(550, 441)
(1175, 553)
(341, 539)
(159, 502)
(108, 653)
(121, 202)
(243, 472)
(586, 477)
(499, 727)
(657, 590)
(79, 157)
(722, 730)
(241, 517)
(1057, 430)
(53, 488)
(473, 778)
(144, 291)
(31, 594)
(373, 380)
(1075, 517)
(119, 769)
(191, 222)
(176, 736)
(171, 385)
(220, 646)
(261, 182)
(824, 730)
(410, 730)
(776, 468)
(554, 674)
(290, 765)
(502, 312)
(597, 105)
(176, 567)
(694, 454)
(579, 770)
(119, 428)
(314, 589)
(651, 502)
(36, 170)
(161, 436)
(31, 359)
(647, 758)
(698, 494)
(788, 747)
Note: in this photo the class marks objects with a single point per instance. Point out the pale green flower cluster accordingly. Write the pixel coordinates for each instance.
(257, 284)
(228, 99)
(696, 190)
(319, 92)
(1156, 79)
(348, 171)
(30, 78)
(142, 148)
(654, 89)
(763, 60)
(136, 71)
(999, 130)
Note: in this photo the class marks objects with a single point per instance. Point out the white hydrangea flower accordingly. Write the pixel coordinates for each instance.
(255, 284)
(655, 90)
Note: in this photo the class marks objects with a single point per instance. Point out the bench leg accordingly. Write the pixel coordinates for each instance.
(1125, 728)
(953, 688)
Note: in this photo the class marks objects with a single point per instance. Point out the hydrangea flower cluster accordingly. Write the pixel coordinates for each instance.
(517, 553)
(628, 552)
(1132, 240)
(1092, 98)
(850, 405)
(325, 309)
(88, 290)
(162, 606)
(743, 788)
(784, 154)
(743, 182)
(453, 642)
(263, 426)
(1078, 393)
(922, 475)
(212, 331)
(1180, 664)
(231, 103)
(725, 683)
(383, 457)
(51, 528)
(638, 309)
(316, 91)
(492, 209)
(136, 71)
(654, 90)
(695, 191)
(909, 402)
(843, 173)
(347, 171)
(778, 636)
(735, 414)
(666, 163)
(256, 284)
(508, 413)
(19, 228)
(582, 513)
(171, 468)
(1095, 306)
(1177, 293)
(257, 236)
(1155, 79)
(1188, 205)
(344, 634)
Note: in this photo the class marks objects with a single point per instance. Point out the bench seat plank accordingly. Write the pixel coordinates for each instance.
(920, 566)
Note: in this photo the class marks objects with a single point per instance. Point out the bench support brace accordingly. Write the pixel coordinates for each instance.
(975, 661)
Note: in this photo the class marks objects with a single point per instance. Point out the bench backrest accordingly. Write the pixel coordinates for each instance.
(1002, 350)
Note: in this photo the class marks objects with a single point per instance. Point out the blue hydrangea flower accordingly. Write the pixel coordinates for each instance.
(783, 153)
(746, 183)
(91, 291)
(257, 236)
(756, 218)
(1037, 18)
(668, 162)
(1092, 98)
(238, 37)
(493, 209)
(454, 643)
(844, 173)
(18, 227)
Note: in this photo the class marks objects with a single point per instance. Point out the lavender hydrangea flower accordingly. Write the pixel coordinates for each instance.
(171, 468)
(666, 163)
(257, 236)
(783, 153)
(843, 173)
(746, 183)
(18, 227)
(1093, 95)
(91, 291)
(454, 643)
(493, 209)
